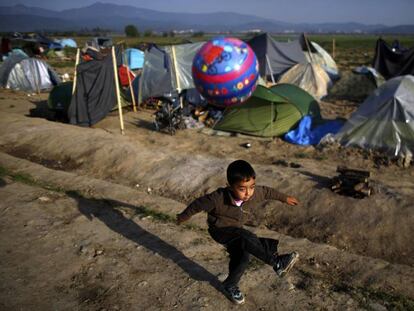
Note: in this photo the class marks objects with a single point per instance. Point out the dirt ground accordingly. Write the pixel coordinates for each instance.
(87, 218)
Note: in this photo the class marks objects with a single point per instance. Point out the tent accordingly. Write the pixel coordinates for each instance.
(135, 89)
(356, 85)
(134, 58)
(68, 42)
(27, 74)
(321, 57)
(167, 70)
(270, 111)
(60, 97)
(95, 91)
(99, 43)
(275, 57)
(392, 62)
(310, 77)
(385, 120)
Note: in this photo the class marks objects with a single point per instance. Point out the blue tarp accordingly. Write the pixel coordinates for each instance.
(55, 46)
(305, 135)
(135, 58)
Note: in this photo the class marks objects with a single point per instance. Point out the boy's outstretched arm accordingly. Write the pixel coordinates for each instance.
(292, 201)
(182, 218)
(273, 194)
(201, 204)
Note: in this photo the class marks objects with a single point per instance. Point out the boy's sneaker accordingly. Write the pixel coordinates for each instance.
(285, 262)
(234, 294)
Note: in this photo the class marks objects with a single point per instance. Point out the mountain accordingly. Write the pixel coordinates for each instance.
(401, 29)
(28, 23)
(116, 17)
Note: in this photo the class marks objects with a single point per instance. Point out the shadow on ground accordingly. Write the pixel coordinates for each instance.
(105, 210)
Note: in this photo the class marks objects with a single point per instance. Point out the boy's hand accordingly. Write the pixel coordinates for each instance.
(292, 201)
(181, 218)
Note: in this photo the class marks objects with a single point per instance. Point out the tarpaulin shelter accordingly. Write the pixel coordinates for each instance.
(167, 70)
(385, 121)
(270, 111)
(275, 57)
(321, 57)
(310, 77)
(95, 90)
(134, 58)
(392, 62)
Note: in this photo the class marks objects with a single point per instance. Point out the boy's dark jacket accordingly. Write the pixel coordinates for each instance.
(222, 211)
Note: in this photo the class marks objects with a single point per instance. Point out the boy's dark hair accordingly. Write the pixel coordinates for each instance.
(239, 171)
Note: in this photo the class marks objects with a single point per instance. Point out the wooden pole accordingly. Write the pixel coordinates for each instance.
(134, 106)
(118, 94)
(333, 48)
(74, 75)
(177, 79)
(270, 69)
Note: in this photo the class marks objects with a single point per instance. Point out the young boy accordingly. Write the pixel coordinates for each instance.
(228, 210)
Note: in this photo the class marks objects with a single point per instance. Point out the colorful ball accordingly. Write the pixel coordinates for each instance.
(225, 71)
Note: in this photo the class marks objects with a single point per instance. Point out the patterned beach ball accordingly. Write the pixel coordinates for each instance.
(225, 71)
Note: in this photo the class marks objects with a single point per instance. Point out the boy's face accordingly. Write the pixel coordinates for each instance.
(243, 190)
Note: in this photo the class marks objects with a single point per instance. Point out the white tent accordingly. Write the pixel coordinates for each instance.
(27, 74)
(322, 58)
(385, 121)
(310, 77)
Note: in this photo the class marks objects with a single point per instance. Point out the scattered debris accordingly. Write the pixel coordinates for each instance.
(352, 182)
(44, 199)
(286, 163)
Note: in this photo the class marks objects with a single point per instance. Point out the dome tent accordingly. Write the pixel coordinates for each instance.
(27, 74)
(270, 111)
(68, 42)
(385, 120)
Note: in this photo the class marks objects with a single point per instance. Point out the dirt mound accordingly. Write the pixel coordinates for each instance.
(379, 226)
(97, 245)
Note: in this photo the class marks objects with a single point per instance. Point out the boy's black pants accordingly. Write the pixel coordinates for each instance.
(240, 243)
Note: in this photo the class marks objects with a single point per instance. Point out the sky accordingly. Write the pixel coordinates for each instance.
(387, 12)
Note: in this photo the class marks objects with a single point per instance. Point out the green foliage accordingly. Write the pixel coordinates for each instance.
(198, 34)
(148, 33)
(131, 31)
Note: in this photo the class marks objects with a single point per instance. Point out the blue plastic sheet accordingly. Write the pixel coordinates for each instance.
(305, 135)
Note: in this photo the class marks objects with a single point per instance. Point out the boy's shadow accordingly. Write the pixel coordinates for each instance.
(104, 210)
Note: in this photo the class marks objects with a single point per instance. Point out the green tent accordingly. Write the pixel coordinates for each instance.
(270, 111)
(60, 97)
